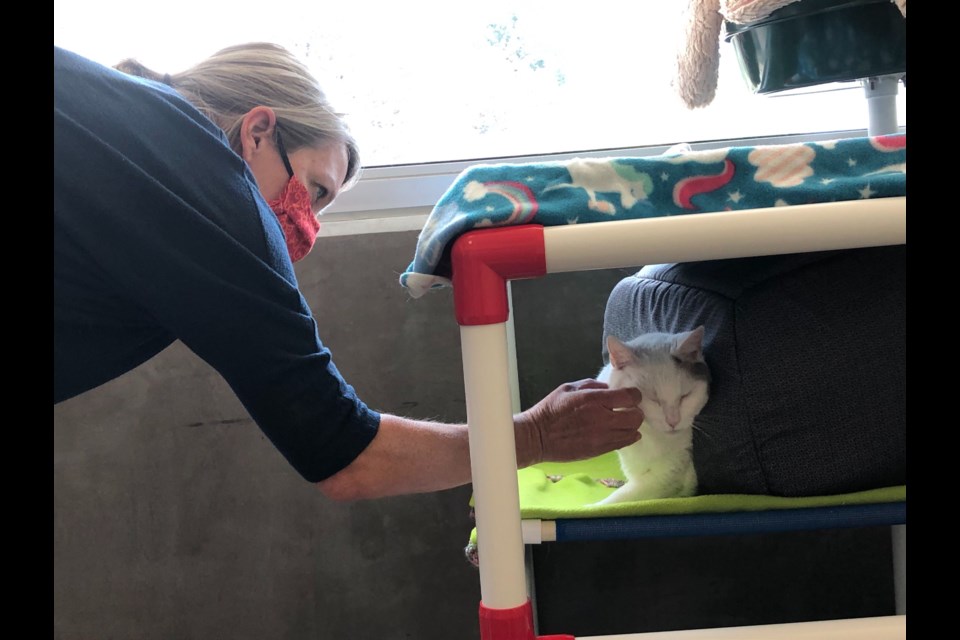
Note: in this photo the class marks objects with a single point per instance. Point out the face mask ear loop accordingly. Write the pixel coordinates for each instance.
(283, 153)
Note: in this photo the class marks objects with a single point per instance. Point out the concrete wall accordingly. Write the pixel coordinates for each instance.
(174, 518)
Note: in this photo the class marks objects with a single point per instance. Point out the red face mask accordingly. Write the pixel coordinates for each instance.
(293, 210)
(300, 225)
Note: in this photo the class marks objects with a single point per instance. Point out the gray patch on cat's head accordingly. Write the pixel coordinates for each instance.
(684, 349)
(690, 358)
(697, 370)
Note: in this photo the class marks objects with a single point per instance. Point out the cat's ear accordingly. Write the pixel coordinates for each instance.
(690, 345)
(620, 354)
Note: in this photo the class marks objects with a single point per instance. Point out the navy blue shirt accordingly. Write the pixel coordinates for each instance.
(160, 234)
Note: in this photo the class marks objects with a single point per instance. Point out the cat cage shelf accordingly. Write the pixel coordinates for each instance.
(485, 260)
(538, 531)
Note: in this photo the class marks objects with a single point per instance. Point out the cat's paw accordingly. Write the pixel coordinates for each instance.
(623, 493)
(612, 499)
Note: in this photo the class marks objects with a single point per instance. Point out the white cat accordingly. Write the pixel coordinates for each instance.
(673, 377)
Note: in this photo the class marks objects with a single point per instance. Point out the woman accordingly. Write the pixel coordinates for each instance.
(180, 205)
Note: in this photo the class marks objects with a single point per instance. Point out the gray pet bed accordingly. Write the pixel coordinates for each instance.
(808, 355)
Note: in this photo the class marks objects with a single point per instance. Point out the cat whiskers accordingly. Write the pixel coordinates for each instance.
(697, 427)
(703, 423)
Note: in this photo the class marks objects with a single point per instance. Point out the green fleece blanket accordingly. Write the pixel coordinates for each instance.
(553, 491)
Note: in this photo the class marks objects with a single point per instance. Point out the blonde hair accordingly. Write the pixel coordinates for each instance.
(231, 82)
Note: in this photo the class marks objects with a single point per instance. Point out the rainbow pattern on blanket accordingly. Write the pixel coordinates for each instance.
(584, 190)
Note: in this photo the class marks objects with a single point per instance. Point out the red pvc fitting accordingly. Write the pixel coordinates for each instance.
(506, 624)
(511, 624)
(483, 260)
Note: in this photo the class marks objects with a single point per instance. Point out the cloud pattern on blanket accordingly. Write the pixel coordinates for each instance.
(584, 190)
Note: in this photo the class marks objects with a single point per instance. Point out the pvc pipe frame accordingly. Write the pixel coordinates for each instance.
(708, 236)
(728, 234)
(493, 460)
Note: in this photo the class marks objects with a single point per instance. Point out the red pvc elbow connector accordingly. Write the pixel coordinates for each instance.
(483, 260)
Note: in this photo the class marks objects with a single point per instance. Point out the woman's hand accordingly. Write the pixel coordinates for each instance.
(578, 420)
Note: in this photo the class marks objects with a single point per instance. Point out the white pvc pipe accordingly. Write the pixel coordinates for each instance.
(536, 531)
(880, 628)
(727, 234)
(493, 460)
(531, 531)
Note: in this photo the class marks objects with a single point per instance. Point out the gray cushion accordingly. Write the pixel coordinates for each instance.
(808, 355)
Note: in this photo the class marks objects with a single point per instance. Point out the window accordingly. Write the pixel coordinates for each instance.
(429, 85)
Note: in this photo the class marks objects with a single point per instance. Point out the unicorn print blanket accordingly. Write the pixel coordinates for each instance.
(585, 190)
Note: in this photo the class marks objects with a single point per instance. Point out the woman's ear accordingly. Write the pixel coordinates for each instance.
(257, 125)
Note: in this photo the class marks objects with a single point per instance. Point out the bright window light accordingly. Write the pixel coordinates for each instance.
(438, 81)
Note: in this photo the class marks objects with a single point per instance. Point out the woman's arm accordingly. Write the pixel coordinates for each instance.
(575, 421)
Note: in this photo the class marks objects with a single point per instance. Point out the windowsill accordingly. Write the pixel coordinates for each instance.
(382, 221)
